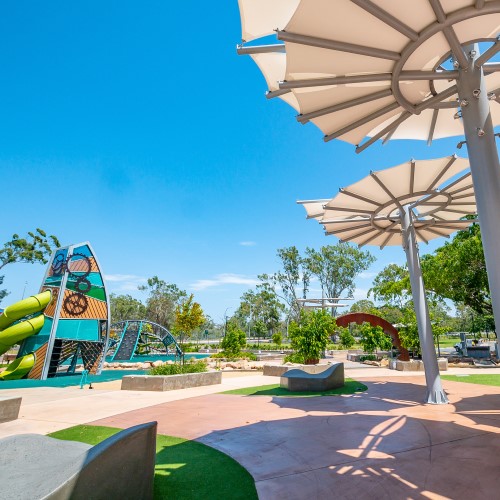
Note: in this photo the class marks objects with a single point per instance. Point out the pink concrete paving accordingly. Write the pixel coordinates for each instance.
(379, 444)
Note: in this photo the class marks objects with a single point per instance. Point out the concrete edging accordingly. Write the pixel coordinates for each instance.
(9, 408)
(169, 382)
(415, 365)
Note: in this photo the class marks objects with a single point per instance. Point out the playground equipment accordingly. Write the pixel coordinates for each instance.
(67, 320)
(131, 337)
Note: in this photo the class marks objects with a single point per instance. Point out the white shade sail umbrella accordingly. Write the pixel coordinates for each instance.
(369, 70)
(368, 212)
(357, 68)
(416, 201)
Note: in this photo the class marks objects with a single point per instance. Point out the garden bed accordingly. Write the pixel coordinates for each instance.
(169, 382)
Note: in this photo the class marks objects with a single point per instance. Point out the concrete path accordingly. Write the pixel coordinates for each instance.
(48, 409)
(374, 445)
(380, 444)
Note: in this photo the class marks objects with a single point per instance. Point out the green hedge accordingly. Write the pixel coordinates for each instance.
(179, 368)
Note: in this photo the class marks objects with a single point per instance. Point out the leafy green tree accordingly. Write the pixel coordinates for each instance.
(162, 301)
(234, 340)
(337, 266)
(277, 338)
(36, 247)
(346, 338)
(364, 305)
(260, 329)
(392, 285)
(260, 305)
(457, 271)
(373, 338)
(408, 333)
(292, 279)
(125, 307)
(188, 317)
(310, 337)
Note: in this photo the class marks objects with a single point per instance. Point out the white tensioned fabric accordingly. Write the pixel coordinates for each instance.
(261, 17)
(439, 192)
(272, 65)
(327, 39)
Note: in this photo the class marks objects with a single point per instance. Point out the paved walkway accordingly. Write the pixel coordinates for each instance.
(378, 444)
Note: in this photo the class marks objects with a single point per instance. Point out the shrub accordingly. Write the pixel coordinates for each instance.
(234, 340)
(373, 337)
(278, 338)
(311, 336)
(234, 357)
(368, 357)
(347, 340)
(294, 357)
(179, 368)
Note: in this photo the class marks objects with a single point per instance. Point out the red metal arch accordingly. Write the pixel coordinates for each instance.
(361, 317)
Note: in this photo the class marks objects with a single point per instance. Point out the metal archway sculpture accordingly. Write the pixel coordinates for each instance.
(360, 317)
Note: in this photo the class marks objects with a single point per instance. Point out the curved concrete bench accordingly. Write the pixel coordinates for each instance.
(40, 467)
(299, 380)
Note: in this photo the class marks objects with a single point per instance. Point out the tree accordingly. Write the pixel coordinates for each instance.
(260, 329)
(346, 338)
(188, 317)
(278, 338)
(310, 337)
(234, 340)
(260, 305)
(392, 285)
(125, 307)
(365, 305)
(292, 277)
(457, 271)
(162, 300)
(36, 247)
(373, 338)
(336, 267)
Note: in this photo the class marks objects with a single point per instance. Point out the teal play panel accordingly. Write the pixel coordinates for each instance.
(69, 380)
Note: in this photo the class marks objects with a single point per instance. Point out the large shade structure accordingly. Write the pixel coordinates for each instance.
(416, 201)
(368, 70)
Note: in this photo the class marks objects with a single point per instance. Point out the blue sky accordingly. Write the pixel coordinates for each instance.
(135, 126)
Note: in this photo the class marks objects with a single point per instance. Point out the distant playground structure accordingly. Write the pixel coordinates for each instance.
(140, 337)
(67, 321)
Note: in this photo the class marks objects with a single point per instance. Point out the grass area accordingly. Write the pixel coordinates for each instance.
(350, 387)
(474, 379)
(185, 470)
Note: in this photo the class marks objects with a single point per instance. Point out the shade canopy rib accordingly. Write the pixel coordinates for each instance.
(368, 211)
(331, 67)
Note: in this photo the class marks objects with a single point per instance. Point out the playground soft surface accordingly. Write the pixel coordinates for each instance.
(69, 380)
(184, 469)
(350, 387)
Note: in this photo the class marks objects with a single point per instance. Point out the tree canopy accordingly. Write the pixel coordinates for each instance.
(35, 247)
(337, 266)
(162, 301)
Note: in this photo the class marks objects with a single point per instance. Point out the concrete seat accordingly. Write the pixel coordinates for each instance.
(299, 380)
(122, 466)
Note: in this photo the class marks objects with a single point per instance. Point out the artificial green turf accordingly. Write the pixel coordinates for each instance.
(474, 379)
(184, 469)
(350, 387)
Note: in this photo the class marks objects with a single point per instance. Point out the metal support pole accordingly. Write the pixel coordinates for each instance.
(485, 168)
(435, 393)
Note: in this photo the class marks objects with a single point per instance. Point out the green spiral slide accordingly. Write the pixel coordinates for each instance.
(14, 331)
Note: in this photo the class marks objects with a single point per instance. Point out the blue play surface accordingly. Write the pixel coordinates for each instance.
(69, 380)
